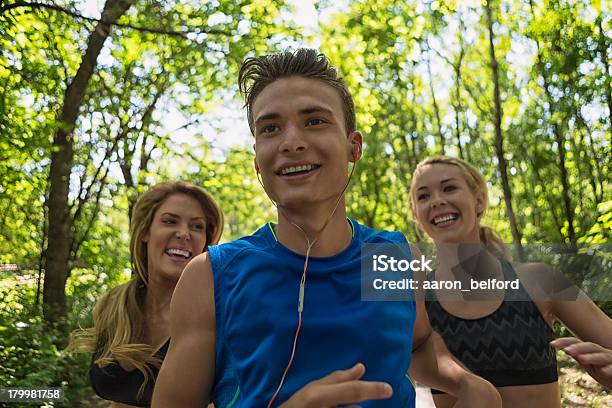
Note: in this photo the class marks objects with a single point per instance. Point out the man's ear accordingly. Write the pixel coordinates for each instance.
(255, 165)
(356, 141)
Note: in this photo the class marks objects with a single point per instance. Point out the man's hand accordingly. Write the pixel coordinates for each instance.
(475, 392)
(595, 359)
(339, 388)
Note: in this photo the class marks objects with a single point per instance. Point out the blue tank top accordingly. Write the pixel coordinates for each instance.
(256, 294)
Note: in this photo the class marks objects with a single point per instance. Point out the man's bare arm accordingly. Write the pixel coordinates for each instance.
(187, 374)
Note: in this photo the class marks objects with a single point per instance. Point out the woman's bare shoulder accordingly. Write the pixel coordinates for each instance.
(545, 282)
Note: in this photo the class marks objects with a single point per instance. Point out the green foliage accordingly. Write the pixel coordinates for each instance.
(170, 59)
(234, 185)
(30, 357)
(164, 59)
(422, 84)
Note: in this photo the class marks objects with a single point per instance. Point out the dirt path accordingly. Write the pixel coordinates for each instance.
(578, 389)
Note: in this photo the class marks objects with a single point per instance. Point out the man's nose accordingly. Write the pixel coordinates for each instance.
(294, 139)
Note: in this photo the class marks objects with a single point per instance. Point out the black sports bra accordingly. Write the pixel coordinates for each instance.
(508, 347)
(113, 383)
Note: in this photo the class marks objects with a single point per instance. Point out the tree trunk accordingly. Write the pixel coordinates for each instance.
(60, 221)
(567, 202)
(594, 155)
(457, 105)
(413, 134)
(603, 49)
(549, 199)
(560, 140)
(435, 104)
(41, 259)
(585, 160)
(499, 140)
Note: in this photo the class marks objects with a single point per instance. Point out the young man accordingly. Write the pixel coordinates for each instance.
(270, 318)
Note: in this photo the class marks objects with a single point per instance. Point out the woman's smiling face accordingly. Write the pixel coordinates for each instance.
(445, 207)
(176, 235)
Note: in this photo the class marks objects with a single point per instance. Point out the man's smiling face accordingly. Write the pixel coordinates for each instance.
(301, 145)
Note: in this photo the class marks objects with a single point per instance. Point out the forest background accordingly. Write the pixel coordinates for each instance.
(100, 99)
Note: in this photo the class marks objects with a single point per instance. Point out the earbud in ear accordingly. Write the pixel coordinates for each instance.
(356, 151)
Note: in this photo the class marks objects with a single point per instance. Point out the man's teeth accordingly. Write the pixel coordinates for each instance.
(295, 169)
(178, 252)
(444, 218)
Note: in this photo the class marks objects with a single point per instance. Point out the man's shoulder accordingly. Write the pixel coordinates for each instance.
(368, 235)
(259, 241)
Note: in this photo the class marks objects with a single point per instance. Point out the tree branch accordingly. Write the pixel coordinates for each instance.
(83, 199)
(182, 34)
(76, 244)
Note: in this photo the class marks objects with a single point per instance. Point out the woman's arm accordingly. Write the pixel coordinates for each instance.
(596, 359)
(585, 320)
(593, 346)
(433, 365)
(560, 300)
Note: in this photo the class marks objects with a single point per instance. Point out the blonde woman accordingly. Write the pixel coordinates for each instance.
(171, 223)
(506, 336)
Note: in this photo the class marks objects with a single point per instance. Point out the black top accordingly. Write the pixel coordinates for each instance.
(508, 347)
(116, 384)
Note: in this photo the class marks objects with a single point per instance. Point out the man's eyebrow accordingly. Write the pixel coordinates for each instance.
(316, 109)
(304, 111)
(267, 116)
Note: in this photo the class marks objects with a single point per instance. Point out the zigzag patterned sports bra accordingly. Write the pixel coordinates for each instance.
(508, 347)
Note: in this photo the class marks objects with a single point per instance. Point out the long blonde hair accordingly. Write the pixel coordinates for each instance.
(118, 334)
(476, 183)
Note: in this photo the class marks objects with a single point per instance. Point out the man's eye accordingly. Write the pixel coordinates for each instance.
(315, 122)
(269, 129)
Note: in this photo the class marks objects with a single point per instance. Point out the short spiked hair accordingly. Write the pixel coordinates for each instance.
(258, 72)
